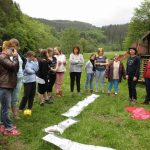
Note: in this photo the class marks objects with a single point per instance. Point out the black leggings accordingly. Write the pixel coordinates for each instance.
(29, 94)
(132, 88)
(73, 76)
(51, 81)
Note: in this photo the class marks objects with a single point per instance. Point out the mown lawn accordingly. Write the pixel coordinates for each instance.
(103, 123)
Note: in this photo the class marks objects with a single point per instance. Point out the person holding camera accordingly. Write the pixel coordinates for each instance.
(8, 78)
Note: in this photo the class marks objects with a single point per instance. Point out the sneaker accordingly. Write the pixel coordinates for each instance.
(48, 101)
(79, 94)
(13, 132)
(91, 91)
(108, 93)
(115, 93)
(42, 104)
(2, 129)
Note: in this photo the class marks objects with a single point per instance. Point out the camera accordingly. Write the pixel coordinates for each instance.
(12, 49)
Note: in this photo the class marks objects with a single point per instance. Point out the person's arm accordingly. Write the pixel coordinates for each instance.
(127, 70)
(10, 65)
(72, 60)
(28, 69)
(36, 65)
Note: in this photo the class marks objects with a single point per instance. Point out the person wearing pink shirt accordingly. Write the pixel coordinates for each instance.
(61, 60)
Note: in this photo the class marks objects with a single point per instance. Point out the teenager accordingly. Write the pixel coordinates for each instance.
(90, 71)
(61, 61)
(29, 79)
(76, 61)
(101, 62)
(132, 73)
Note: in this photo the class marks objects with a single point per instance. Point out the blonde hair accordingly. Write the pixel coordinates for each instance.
(49, 50)
(7, 44)
(100, 50)
(16, 42)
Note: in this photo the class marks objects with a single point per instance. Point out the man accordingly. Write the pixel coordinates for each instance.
(8, 70)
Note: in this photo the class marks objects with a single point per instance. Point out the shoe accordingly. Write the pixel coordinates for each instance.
(58, 95)
(13, 132)
(133, 102)
(91, 91)
(79, 94)
(116, 93)
(2, 129)
(48, 101)
(42, 104)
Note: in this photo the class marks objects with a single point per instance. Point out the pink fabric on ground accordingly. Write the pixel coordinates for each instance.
(58, 82)
(138, 113)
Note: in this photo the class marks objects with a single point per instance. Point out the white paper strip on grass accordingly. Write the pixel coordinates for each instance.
(40, 80)
(66, 144)
(75, 110)
(61, 127)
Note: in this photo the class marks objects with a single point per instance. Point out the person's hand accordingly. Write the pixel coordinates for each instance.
(134, 78)
(143, 79)
(127, 77)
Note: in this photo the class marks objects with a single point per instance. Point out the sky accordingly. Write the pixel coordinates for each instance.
(96, 12)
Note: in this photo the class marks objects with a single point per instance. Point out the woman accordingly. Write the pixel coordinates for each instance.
(52, 64)
(146, 77)
(114, 73)
(76, 61)
(61, 61)
(101, 62)
(132, 73)
(42, 73)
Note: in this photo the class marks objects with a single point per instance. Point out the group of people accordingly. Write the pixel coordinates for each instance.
(48, 68)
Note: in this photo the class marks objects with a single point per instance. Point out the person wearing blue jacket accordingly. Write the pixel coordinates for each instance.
(29, 79)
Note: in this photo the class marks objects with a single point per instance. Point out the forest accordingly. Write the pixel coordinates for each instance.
(35, 33)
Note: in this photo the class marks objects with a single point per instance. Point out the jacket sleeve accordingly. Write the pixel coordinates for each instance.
(28, 69)
(137, 73)
(10, 65)
(36, 66)
(72, 61)
(123, 71)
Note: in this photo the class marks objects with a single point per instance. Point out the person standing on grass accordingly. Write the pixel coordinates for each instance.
(132, 73)
(52, 65)
(43, 73)
(114, 73)
(8, 80)
(90, 71)
(16, 90)
(146, 77)
(61, 61)
(76, 61)
(101, 62)
(29, 79)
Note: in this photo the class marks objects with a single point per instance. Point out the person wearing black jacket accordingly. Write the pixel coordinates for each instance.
(132, 74)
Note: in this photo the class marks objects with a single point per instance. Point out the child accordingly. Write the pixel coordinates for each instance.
(114, 73)
(90, 70)
(29, 79)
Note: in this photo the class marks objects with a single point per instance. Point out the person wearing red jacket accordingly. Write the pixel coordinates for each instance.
(146, 77)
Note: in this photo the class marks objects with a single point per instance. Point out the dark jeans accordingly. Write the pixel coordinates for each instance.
(51, 81)
(147, 83)
(132, 88)
(5, 99)
(73, 76)
(29, 94)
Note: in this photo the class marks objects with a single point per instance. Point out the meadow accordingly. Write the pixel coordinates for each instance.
(103, 123)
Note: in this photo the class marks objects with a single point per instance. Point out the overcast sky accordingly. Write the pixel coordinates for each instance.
(96, 12)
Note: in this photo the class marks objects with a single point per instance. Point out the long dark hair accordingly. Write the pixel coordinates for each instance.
(44, 54)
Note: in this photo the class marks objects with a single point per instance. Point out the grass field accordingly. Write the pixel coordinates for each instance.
(103, 123)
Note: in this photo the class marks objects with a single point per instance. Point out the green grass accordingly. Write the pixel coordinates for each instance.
(103, 123)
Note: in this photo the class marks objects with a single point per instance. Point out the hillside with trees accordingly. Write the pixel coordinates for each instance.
(40, 33)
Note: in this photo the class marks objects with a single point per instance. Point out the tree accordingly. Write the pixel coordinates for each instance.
(139, 25)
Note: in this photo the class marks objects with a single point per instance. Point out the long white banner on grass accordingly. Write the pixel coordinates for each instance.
(76, 110)
(66, 144)
(61, 127)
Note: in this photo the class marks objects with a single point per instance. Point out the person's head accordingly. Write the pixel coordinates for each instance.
(30, 55)
(116, 56)
(100, 52)
(57, 51)
(76, 50)
(92, 57)
(8, 48)
(15, 43)
(44, 54)
(50, 52)
(132, 51)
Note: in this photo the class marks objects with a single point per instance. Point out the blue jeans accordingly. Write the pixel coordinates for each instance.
(100, 75)
(89, 78)
(114, 82)
(5, 98)
(15, 93)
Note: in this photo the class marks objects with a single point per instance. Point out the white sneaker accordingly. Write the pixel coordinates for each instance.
(116, 93)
